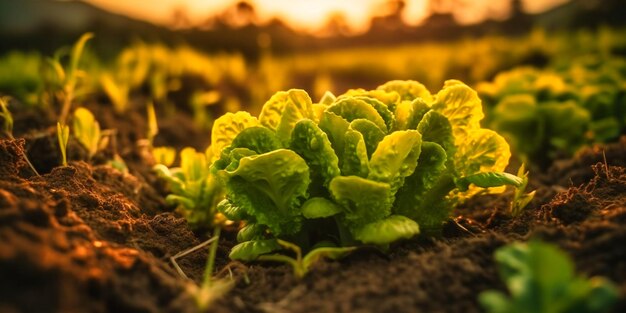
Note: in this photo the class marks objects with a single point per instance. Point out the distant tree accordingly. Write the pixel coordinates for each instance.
(446, 6)
(336, 24)
(392, 16)
(180, 17)
(241, 13)
(517, 8)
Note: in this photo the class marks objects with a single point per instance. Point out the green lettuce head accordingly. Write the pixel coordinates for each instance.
(366, 167)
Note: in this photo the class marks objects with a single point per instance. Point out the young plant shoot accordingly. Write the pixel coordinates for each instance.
(63, 135)
(71, 77)
(164, 155)
(367, 167)
(87, 130)
(194, 189)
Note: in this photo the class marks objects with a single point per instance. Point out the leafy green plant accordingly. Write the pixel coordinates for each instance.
(367, 167)
(552, 112)
(63, 135)
(538, 130)
(194, 189)
(87, 130)
(541, 279)
(6, 115)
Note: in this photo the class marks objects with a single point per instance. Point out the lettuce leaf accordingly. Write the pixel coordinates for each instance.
(271, 187)
(436, 128)
(312, 144)
(226, 128)
(407, 89)
(372, 135)
(351, 108)
(364, 201)
(284, 109)
(388, 230)
(382, 109)
(319, 207)
(409, 200)
(251, 250)
(258, 139)
(461, 105)
(395, 158)
(354, 159)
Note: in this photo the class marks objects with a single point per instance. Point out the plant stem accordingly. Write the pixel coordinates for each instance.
(67, 103)
(297, 265)
(210, 264)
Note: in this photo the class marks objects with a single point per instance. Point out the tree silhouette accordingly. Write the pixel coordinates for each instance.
(241, 13)
(336, 24)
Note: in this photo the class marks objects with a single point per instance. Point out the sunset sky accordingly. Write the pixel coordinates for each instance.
(309, 15)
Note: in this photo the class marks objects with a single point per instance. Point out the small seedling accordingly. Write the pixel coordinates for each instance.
(521, 198)
(300, 264)
(71, 76)
(164, 155)
(194, 189)
(153, 127)
(87, 130)
(8, 128)
(541, 279)
(211, 288)
(62, 82)
(63, 135)
(117, 162)
(6, 116)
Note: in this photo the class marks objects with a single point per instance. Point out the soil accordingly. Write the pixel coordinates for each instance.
(89, 238)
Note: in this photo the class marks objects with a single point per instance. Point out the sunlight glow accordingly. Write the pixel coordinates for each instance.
(307, 15)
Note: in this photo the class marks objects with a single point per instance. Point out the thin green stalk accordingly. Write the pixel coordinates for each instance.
(210, 265)
(297, 265)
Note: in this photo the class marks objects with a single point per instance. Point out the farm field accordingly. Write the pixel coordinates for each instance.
(479, 174)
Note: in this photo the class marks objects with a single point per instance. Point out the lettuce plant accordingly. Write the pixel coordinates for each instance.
(194, 190)
(549, 113)
(541, 279)
(367, 167)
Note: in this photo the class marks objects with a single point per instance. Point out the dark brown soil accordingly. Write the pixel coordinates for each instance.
(87, 238)
(75, 240)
